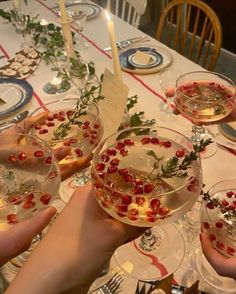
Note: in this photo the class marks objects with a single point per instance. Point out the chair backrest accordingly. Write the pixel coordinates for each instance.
(129, 10)
(193, 29)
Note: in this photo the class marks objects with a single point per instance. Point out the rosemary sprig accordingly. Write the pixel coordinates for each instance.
(215, 202)
(175, 168)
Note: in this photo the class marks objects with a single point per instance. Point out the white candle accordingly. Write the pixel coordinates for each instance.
(114, 50)
(63, 11)
(43, 22)
(56, 82)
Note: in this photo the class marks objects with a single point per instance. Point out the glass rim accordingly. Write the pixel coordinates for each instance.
(98, 148)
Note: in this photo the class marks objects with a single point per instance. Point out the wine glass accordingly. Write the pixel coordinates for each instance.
(133, 182)
(168, 79)
(29, 181)
(68, 122)
(80, 18)
(218, 221)
(204, 97)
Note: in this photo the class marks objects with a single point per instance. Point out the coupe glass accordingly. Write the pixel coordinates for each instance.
(204, 97)
(68, 123)
(130, 184)
(29, 180)
(218, 220)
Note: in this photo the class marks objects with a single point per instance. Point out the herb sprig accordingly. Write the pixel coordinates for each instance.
(174, 167)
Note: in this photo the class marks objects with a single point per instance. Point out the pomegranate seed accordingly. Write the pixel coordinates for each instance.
(73, 141)
(66, 143)
(120, 145)
(151, 218)
(12, 219)
(91, 142)
(155, 204)
(230, 250)
(15, 200)
(180, 152)
(50, 124)
(225, 202)
(52, 175)
(229, 194)
(122, 208)
(138, 182)
(55, 115)
(45, 198)
(167, 144)
(111, 151)
(128, 178)
(29, 197)
(38, 153)
(105, 158)
(112, 169)
(62, 113)
(100, 193)
(148, 188)
(43, 131)
(210, 206)
(22, 156)
(94, 136)
(38, 127)
(61, 118)
(132, 214)
(79, 152)
(87, 122)
(219, 225)
(128, 142)
(12, 158)
(123, 171)
(28, 204)
(220, 245)
(126, 199)
(155, 141)
(163, 210)
(212, 237)
(231, 207)
(115, 161)
(85, 127)
(140, 201)
(96, 126)
(48, 160)
(50, 118)
(145, 140)
(100, 166)
(69, 113)
(86, 134)
(123, 152)
(92, 132)
(138, 190)
(206, 225)
(192, 188)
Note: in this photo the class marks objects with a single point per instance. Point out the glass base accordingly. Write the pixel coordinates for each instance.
(50, 89)
(167, 113)
(208, 274)
(163, 260)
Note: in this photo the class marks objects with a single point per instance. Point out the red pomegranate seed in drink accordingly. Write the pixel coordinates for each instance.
(100, 166)
(132, 214)
(43, 131)
(91, 142)
(123, 152)
(69, 113)
(219, 225)
(96, 126)
(138, 190)
(79, 152)
(94, 136)
(111, 151)
(206, 225)
(225, 202)
(155, 141)
(231, 207)
(230, 250)
(212, 237)
(50, 124)
(126, 199)
(12, 158)
(22, 156)
(105, 158)
(229, 194)
(12, 219)
(151, 216)
(61, 118)
(112, 169)
(120, 145)
(122, 208)
(138, 182)
(128, 142)
(38, 127)
(148, 188)
(16, 199)
(45, 198)
(29, 197)
(167, 144)
(50, 118)
(93, 132)
(66, 143)
(128, 178)
(210, 206)
(220, 245)
(115, 161)
(28, 204)
(86, 134)
(140, 201)
(163, 210)
(145, 140)
(38, 153)
(180, 153)
(155, 204)
(48, 160)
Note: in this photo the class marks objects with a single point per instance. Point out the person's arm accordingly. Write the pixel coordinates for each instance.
(75, 250)
(224, 266)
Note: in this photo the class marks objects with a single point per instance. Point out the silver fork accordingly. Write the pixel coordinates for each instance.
(112, 285)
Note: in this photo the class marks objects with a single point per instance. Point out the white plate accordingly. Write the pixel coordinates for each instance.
(220, 138)
(16, 94)
(91, 10)
(127, 66)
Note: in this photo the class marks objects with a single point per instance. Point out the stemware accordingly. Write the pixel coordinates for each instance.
(80, 18)
(29, 181)
(168, 79)
(204, 97)
(68, 123)
(218, 221)
(129, 183)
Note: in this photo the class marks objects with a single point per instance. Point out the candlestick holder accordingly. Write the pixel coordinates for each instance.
(56, 86)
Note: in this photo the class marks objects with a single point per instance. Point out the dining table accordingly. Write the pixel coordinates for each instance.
(150, 99)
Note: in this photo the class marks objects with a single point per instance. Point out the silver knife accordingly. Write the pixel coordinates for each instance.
(128, 42)
(19, 117)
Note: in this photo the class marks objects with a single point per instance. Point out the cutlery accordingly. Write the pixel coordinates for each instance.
(19, 117)
(112, 285)
(126, 43)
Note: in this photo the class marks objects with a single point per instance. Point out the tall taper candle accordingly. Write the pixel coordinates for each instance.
(114, 50)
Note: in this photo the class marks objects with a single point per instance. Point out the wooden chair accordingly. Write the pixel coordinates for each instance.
(128, 10)
(193, 29)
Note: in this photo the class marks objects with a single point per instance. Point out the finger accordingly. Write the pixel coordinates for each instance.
(68, 169)
(18, 238)
(61, 152)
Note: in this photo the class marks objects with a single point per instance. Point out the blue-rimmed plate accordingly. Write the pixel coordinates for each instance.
(224, 134)
(160, 59)
(14, 95)
(91, 10)
(155, 58)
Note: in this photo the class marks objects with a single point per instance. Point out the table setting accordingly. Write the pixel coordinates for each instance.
(107, 100)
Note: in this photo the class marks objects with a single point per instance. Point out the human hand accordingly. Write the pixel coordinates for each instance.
(76, 248)
(224, 266)
(18, 238)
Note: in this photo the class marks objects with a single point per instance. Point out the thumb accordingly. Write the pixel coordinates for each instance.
(18, 238)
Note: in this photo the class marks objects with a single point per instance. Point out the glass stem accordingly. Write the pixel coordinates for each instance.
(149, 240)
(197, 131)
